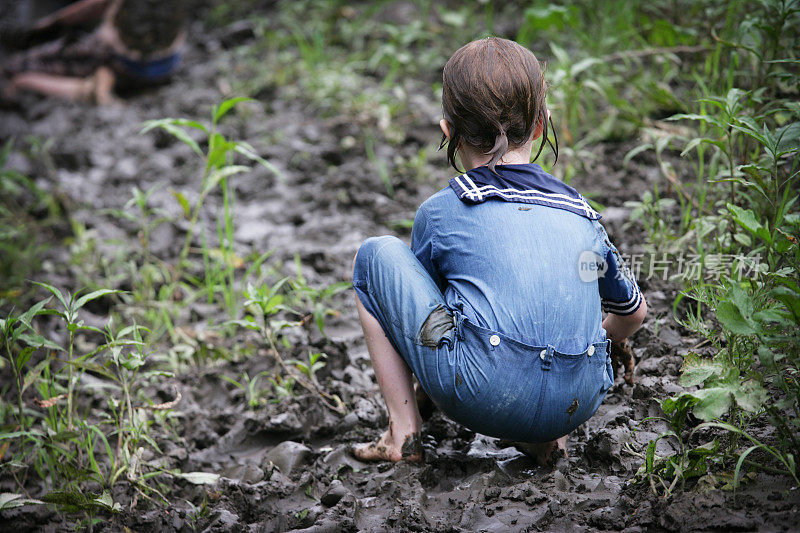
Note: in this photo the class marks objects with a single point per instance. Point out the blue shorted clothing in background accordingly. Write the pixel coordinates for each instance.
(497, 305)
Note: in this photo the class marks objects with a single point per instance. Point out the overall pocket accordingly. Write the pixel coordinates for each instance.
(575, 389)
(495, 383)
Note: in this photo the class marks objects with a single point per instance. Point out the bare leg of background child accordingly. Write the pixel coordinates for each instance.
(402, 439)
(95, 88)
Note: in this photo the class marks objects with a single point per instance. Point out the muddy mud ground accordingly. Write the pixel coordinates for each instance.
(285, 465)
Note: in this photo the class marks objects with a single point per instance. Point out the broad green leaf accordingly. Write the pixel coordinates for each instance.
(273, 303)
(694, 143)
(677, 408)
(712, 402)
(105, 501)
(747, 219)
(133, 362)
(750, 396)
(457, 19)
(766, 357)
(546, 17)
(770, 315)
(218, 149)
(742, 300)
(733, 97)
(9, 501)
(583, 65)
(630, 155)
(695, 370)
(789, 298)
(244, 324)
(752, 132)
(731, 318)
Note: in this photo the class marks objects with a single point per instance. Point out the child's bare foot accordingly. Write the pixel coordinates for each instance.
(544, 453)
(101, 86)
(386, 449)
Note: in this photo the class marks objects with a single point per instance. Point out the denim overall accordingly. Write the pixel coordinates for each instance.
(491, 311)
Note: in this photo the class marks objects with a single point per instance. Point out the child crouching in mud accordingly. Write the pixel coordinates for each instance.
(496, 307)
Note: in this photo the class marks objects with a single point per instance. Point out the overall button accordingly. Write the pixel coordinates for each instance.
(542, 354)
(590, 351)
(494, 340)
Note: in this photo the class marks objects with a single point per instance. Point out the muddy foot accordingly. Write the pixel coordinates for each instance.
(384, 449)
(544, 453)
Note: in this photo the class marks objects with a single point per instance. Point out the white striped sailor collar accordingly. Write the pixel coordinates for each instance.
(525, 183)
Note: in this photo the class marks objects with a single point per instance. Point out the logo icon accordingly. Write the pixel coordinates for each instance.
(591, 266)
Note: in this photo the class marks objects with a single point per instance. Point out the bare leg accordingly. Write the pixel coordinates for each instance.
(401, 440)
(97, 87)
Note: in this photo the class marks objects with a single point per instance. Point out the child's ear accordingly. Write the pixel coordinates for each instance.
(445, 128)
(540, 126)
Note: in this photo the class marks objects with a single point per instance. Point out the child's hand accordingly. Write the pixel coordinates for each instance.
(622, 356)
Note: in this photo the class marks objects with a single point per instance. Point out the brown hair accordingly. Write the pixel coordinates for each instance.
(149, 26)
(493, 98)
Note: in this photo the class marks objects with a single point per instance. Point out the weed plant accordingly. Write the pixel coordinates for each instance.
(73, 456)
(80, 451)
(28, 215)
(743, 143)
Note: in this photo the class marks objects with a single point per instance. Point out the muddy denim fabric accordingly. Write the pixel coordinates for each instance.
(484, 379)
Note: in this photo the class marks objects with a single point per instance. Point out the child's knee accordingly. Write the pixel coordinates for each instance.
(373, 245)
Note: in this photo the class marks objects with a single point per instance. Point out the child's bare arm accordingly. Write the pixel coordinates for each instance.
(618, 328)
(77, 13)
